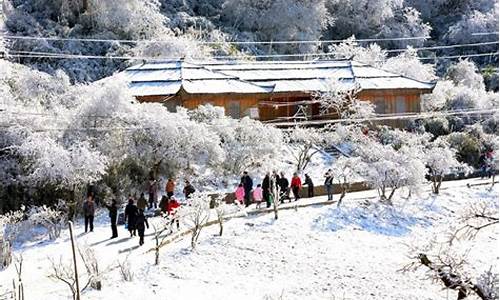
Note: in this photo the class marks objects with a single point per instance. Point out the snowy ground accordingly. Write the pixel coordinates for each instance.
(318, 252)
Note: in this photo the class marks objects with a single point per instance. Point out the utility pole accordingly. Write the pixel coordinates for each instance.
(74, 259)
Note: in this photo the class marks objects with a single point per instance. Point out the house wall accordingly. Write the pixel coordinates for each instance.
(254, 105)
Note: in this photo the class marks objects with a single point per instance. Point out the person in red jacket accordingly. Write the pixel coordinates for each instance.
(172, 208)
(296, 186)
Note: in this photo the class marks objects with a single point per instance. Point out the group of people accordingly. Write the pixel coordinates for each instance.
(136, 220)
(263, 191)
(246, 194)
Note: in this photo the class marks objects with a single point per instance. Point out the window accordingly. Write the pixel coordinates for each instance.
(379, 105)
(233, 109)
(401, 105)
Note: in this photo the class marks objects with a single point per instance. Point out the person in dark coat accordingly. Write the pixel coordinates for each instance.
(284, 190)
(266, 185)
(113, 213)
(88, 212)
(141, 223)
(310, 186)
(163, 204)
(141, 202)
(188, 189)
(329, 184)
(131, 215)
(248, 186)
(153, 192)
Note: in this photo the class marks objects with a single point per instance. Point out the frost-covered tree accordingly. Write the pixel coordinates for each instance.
(342, 101)
(386, 169)
(465, 73)
(482, 19)
(196, 214)
(372, 54)
(279, 20)
(440, 159)
(345, 172)
(381, 18)
(408, 64)
(304, 143)
(246, 143)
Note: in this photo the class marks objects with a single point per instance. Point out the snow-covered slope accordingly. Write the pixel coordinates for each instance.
(318, 252)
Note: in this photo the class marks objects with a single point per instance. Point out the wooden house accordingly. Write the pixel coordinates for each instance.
(270, 91)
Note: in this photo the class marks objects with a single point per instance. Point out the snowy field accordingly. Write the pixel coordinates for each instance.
(318, 252)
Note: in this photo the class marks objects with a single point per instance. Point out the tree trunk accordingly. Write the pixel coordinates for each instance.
(342, 195)
(390, 196)
(221, 228)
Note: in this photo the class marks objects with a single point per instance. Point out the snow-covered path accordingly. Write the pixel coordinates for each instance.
(318, 252)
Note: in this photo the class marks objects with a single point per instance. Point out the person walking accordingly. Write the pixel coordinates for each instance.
(141, 223)
(248, 186)
(283, 185)
(266, 186)
(163, 204)
(88, 212)
(296, 186)
(257, 195)
(329, 184)
(172, 208)
(152, 190)
(188, 189)
(310, 186)
(170, 187)
(113, 213)
(131, 215)
(240, 193)
(142, 203)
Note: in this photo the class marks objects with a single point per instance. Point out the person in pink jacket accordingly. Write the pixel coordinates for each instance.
(257, 195)
(240, 193)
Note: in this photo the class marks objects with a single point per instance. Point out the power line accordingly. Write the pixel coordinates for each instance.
(264, 56)
(20, 37)
(485, 33)
(398, 116)
(159, 59)
(393, 117)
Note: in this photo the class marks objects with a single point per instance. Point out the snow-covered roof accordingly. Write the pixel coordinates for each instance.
(209, 77)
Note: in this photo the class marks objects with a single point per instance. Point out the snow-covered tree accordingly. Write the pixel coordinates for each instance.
(246, 143)
(305, 142)
(344, 172)
(368, 18)
(440, 159)
(408, 64)
(386, 169)
(279, 20)
(342, 101)
(372, 54)
(196, 214)
(465, 73)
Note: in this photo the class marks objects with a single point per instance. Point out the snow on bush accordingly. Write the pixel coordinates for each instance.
(53, 220)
